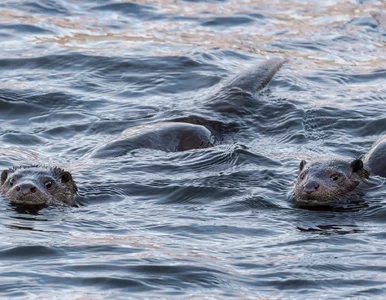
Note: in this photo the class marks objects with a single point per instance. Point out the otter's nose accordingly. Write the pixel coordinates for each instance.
(310, 187)
(26, 188)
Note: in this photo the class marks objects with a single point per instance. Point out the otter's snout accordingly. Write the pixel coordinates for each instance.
(25, 188)
(310, 187)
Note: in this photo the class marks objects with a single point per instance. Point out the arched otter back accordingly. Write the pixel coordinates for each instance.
(375, 158)
(163, 136)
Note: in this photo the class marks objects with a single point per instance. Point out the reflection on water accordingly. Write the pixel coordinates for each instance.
(215, 222)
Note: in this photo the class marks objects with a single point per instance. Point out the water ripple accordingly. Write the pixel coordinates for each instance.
(209, 223)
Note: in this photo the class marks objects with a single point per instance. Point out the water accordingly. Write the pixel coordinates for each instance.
(210, 223)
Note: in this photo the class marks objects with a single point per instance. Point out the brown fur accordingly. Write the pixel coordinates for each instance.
(164, 136)
(375, 158)
(324, 182)
(38, 186)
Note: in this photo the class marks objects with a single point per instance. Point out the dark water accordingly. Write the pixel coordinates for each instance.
(209, 223)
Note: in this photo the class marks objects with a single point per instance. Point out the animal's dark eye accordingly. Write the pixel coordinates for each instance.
(301, 176)
(48, 184)
(334, 177)
(11, 182)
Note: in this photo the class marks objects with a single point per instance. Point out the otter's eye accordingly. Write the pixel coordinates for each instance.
(48, 184)
(334, 177)
(11, 182)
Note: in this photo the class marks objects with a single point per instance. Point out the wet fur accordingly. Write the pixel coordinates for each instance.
(334, 178)
(375, 158)
(63, 188)
(229, 97)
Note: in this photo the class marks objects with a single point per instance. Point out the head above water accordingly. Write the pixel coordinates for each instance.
(38, 186)
(324, 182)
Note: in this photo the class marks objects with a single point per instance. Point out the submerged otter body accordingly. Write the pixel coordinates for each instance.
(326, 182)
(181, 136)
(166, 136)
(375, 158)
(38, 186)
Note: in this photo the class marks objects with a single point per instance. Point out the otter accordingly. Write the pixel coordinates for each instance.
(325, 182)
(38, 186)
(192, 132)
(375, 158)
(165, 136)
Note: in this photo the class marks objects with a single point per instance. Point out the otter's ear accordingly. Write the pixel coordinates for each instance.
(356, 165)
(302, 164)
(4, 176)
(66, 177)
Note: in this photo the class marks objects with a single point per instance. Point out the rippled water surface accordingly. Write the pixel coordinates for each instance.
(214, 222)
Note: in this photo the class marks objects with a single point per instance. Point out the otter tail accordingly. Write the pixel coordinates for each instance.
(257, 77)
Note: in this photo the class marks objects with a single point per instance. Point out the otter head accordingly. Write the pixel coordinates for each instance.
(321, 183)
(38, 186)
